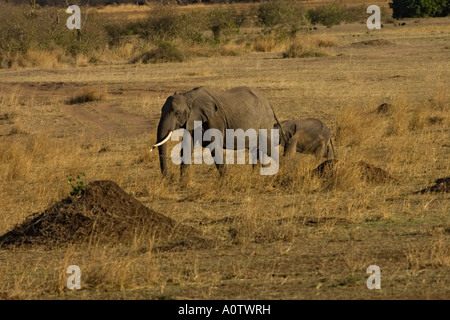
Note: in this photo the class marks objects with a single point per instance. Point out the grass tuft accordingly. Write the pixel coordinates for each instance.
(164, 52)
(89, 94)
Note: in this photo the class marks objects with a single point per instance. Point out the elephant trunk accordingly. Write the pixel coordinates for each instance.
(163, 135)
(163, 159)
(282, 135)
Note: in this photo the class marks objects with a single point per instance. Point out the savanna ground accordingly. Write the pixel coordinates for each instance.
(287, 236)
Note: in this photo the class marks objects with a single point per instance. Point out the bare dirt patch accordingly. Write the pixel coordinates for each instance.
(374, 42)
(108, 119)
(103, 116)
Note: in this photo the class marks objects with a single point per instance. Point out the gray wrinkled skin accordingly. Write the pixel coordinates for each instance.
(310, 136)
(238, 108)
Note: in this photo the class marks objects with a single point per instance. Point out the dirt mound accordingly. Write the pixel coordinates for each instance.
(440, 185)
(6, 124)
(374, 174)
(370, 173)
(103, 212)
(375, 42)
(384, 108)
(326, 168)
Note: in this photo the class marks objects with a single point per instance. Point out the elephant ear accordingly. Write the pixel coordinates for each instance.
(203, 108)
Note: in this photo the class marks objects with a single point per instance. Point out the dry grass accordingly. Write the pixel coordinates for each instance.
(433, 254)
(265, 43)
(272, 235)
(309, 47)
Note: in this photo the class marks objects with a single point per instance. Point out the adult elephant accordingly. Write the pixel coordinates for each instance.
(310, 136)
(238, 108)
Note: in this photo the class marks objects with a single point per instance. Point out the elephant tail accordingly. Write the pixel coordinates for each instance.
(332, 148)
(283, 135)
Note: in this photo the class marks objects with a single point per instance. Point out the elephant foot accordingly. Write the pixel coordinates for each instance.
(222, 169)
(222, 175)
(185, 177)
(185, 182)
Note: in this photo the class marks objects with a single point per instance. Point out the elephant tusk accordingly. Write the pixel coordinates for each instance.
(162, 142)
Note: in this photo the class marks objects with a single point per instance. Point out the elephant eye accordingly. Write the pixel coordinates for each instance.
(177, 113)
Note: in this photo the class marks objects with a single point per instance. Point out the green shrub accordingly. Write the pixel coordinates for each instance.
(327, 15)
(161, 24)
(356, 13)
(281, 16)
(43, 30)
(224, 24)
(17, 32)
(273, 12)
(117, 32)
(78, 184)
(419, 8)
(194, 23)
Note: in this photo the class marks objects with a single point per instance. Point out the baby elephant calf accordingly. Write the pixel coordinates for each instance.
(306, 136)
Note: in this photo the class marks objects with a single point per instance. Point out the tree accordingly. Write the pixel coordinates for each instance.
(419, 8)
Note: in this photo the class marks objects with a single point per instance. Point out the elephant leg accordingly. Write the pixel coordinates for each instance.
(184, 167)
(330, 150)
(291, 147)
(328, 153)
(184, 170)
(267, 154)
(221, 167)
(258, 159)
(321, 151)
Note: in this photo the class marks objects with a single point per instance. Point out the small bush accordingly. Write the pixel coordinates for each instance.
(265, 43)
(89, 94)
(272, 13)
(77, 184)
(327, 15)
(281, 16)
(117, 32)
(165, 52)
(193, 23)
(161, 24)
(224, 24)
(334, 14)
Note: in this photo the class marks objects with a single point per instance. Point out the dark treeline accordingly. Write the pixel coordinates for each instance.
(116, 2)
